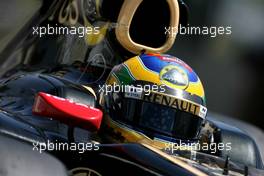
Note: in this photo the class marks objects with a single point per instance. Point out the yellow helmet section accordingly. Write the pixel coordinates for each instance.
(161, 70)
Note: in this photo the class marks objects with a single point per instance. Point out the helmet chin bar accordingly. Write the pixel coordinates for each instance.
(125, 17)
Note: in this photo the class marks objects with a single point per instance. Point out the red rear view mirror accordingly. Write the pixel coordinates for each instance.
(68, 112)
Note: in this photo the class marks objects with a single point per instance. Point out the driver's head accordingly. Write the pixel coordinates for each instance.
(153, 98)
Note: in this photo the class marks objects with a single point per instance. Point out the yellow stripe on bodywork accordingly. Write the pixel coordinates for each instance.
(177, 161)
(94, 39)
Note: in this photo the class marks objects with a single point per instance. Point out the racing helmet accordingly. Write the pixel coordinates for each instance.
(153, 98)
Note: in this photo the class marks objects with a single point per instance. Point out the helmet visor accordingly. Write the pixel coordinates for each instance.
(157, 119)
(168, 120)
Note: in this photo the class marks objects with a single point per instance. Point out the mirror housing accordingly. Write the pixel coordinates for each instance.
(67, 111)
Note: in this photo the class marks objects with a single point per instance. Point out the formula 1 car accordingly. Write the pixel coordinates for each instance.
(18, 122)
(47, 81)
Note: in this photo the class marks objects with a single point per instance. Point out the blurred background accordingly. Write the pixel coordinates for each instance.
(230, 66)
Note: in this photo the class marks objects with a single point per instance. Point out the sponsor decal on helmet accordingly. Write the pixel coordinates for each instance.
(174, 76)
(135, 93)
(203, 111)
(176, 103)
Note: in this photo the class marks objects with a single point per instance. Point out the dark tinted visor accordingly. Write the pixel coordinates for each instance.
(157, 119)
